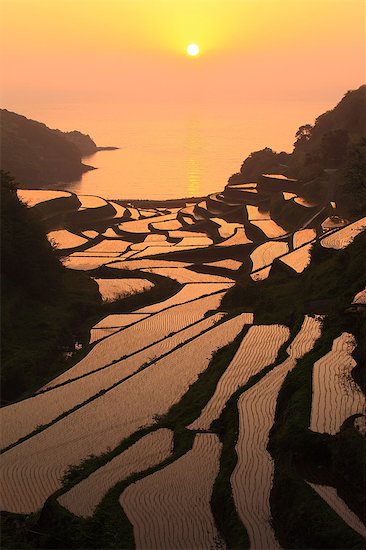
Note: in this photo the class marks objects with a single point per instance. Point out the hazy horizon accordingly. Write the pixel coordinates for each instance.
(118, 71)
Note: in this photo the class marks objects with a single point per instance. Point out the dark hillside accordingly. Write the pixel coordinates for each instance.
(35, 154)
(43, 304)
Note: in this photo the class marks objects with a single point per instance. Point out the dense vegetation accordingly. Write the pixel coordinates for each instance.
(36, 155)
(335, 142)
(44, 305)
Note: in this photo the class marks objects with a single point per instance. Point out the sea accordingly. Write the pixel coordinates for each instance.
(174, 151)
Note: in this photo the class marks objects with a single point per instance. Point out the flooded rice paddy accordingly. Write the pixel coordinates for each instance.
(139, 365)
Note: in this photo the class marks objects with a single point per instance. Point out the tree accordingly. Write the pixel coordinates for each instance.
(353, 189)
(303, 135)
(334, 147)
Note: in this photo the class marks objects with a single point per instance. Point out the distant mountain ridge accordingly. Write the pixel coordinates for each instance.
(36, 155)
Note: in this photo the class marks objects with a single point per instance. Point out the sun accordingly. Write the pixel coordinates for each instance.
(193, 50)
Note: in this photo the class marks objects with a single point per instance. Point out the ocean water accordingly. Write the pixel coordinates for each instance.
(175, 151)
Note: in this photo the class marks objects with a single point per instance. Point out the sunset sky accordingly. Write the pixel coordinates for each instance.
(134, 50)
(119, 70)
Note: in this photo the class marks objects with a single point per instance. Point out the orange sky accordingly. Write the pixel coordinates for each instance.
(63, 51)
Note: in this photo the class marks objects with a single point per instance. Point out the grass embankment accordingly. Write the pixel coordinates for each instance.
(55, 527)
(301, 518)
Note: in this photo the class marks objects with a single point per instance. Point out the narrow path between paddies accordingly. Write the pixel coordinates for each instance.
(258, 349)
(251, 479)
(341, 238)
(171, 508)
(131, 339)
(33, 470)
(335, 394)
(63, 239)
(265, 253)
(113, 323)
(150, 450)
(188, 293)
(114, 289)
(329, 494)
(184, 275)
(22, 418)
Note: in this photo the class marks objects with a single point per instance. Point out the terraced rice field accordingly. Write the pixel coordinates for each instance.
(142, 264)
(303, 236)
(341, 238)
(108, 247)
(255, 213)
(35, 196)
(128, 341)
(187, 294)
(270, 228)
(261, 274)
(258, 349)
(265, 253)
(91, 234)
(65, 239)
(335, 395)
(150, 450)
(251, 479)
(120, 210)
(239, 237)
(91, 201)
(105, 421)
(113, 323)
(298, 259)
(183, 275)
(85, 263)
(329, 494)
(171, 508)
(22, 418)
(226, 264)
(141, 363)
(114, 289)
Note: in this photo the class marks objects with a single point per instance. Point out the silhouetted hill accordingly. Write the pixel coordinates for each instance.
(328, 142)
(37, 155)
(84, 142)
(336, 142)
(43, 304)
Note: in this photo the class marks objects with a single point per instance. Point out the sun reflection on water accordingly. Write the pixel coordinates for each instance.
(193, 161)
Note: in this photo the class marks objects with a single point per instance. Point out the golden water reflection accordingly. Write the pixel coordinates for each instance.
(193, 161)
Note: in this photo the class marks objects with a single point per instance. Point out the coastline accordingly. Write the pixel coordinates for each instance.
(153, 203)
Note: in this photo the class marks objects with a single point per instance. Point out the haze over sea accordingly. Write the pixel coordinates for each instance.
(176, 151)
(119, 71)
